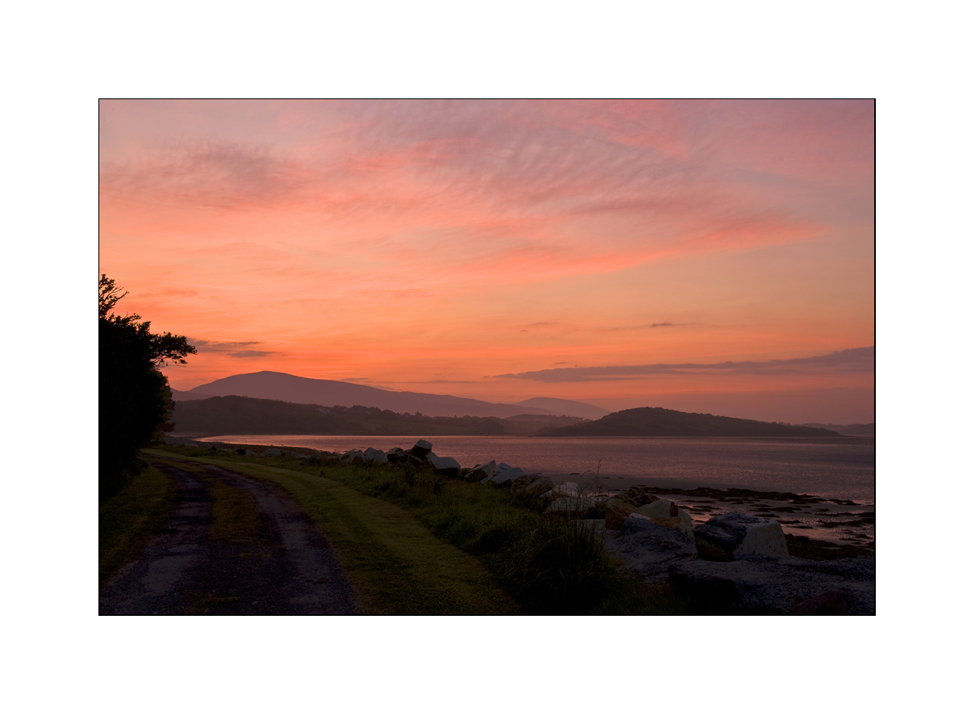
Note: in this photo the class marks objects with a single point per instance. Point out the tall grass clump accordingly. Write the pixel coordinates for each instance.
(548, 565)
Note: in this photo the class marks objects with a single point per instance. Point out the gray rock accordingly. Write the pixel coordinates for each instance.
(271, 452)
(397, 455)
(505, 474)
(481, 471)
(376, 456)
(617, 511)
(756, 585)
(299, 455)
(730, 536)
(353, 456)
(649, 549)
(531, 485)
(445, 466)
(421, 449)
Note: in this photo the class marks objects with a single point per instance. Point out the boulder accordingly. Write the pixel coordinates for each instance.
(481, 471)
(299, 455)
(649, 549)
(421, 449)
(666, 513)
(397, 455)
(445, 466)
(375, 456)
(534, 490)
(271, 452)
(616, 512)
(757, 585)
(353, 456)
(531, 486)
(730, 536)
(505, 474)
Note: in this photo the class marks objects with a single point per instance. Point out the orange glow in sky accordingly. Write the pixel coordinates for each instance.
(463, 248)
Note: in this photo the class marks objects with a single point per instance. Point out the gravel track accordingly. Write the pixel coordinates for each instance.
(284, 567)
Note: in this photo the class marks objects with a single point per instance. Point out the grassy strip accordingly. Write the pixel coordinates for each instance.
(550, 566)
(394, 563)
(128, 521)
(236, 518)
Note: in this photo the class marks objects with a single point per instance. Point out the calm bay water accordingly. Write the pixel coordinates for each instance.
(833, 469)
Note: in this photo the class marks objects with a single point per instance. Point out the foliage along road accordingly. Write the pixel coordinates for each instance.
(233, 545)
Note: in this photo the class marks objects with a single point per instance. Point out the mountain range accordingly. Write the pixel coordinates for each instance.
(305, 390)
(248, 415)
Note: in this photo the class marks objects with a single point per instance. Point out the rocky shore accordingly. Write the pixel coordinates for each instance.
(733, 551)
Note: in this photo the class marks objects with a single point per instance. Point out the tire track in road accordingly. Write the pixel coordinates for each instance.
(283, 566)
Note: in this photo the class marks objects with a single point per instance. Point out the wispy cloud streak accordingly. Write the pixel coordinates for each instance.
(239, 349)
(853, 360)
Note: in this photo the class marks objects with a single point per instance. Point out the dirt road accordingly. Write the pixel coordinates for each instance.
(233, 545)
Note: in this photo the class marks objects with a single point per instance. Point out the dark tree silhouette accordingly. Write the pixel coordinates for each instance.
(134, 399)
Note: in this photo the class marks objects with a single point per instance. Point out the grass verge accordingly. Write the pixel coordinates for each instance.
(395, 564)
(549, 566)
(128, 521)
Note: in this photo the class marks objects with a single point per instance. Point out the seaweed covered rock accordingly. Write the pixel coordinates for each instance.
(637, 496)
(730, 536)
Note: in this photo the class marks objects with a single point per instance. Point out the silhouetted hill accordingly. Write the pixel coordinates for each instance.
(187, 395)
(658, 422)
(566, 407)
(303, 390)
(248, 415)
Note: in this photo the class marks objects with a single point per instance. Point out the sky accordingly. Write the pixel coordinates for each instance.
(706, 256)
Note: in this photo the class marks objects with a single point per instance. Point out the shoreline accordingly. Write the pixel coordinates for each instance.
(811, 523)
(840, 439)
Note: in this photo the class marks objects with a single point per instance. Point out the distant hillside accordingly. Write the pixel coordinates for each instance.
(248, 415)
(658, 422)
(849, 430)
(179, 395)
(304, 390)
(566, 407)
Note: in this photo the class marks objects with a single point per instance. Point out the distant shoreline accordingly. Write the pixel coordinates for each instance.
(840, 439)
